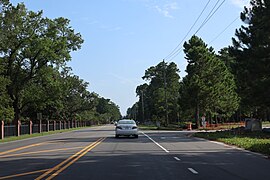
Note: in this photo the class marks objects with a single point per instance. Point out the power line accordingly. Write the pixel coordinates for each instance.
(209, 16)
(224, 30)
(172, 53)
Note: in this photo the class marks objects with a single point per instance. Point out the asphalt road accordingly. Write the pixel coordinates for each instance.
(94, 153)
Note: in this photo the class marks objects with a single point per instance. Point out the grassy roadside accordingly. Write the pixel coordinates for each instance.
(143, 127)
(169, 128)
(253, 141)
(266, 123)
(26, 136)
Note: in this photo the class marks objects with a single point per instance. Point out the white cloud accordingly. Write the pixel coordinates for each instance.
(166, 9)
(240, 3)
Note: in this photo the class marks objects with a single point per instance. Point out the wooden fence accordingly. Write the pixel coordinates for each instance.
(42, 126)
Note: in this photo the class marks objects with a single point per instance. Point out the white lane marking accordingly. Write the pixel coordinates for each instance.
(156, 143)
(193, 171)
(177, 159)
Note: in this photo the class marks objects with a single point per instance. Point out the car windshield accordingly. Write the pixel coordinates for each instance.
(126, 122)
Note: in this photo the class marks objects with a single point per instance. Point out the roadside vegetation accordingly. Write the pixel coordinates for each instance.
(253, 141)
(34, 76)
(152, 127)
(221, 86)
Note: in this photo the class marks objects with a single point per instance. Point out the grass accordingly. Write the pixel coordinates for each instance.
(152, 127)
(266, 123)
(26, 136)
(253, 141)
(144, 127)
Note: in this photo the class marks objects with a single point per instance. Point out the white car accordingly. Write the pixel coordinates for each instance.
(126, 127)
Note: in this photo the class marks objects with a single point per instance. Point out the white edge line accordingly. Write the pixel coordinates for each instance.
(193, 171)
(155, 142)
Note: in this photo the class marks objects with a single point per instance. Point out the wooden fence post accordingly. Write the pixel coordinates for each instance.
(2, 134)
(60, 125)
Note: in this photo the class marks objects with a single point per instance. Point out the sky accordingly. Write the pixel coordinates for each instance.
(123, 38)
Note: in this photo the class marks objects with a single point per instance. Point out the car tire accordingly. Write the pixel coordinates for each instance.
(136, 135)
(116, 136)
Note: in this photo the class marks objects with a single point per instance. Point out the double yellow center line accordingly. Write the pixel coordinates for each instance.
(51, 173)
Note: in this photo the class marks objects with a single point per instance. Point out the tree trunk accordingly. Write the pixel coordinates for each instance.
(197, 116)
(16, 110)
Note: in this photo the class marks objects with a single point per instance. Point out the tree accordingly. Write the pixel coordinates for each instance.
(42, 95)
(29, 43)
(76, 98)
(251, 48)
(143, 108)
(132, 113)
(209, 85)
(161, 96)
(108, 111)
(6, 110)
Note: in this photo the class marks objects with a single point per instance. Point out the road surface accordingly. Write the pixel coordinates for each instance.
(94, 153)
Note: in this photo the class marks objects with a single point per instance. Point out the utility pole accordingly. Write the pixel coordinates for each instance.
(165, 89)
(135, 113)
(142, 107)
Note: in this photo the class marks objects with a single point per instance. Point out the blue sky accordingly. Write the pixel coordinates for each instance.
(125, 37)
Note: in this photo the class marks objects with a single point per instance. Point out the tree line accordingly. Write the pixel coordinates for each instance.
(34, 76)
(225, 86)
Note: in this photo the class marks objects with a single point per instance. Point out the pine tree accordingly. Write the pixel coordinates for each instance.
(209, 85)
(251, 47)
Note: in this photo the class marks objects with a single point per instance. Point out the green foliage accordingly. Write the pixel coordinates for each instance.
(252, 53)
(6, 110)
(33, 72)
(152, 96)
(253, 141)
(215, 85)
(29, 43)
(133, 112)
(209, 87)
(108, 110)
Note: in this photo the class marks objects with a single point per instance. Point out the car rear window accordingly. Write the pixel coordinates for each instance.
(126, 122)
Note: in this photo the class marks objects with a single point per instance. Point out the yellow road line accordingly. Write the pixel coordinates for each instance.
(74, 160)
(62, 163)
(37, 152)
(23, 174)
(20, 148)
